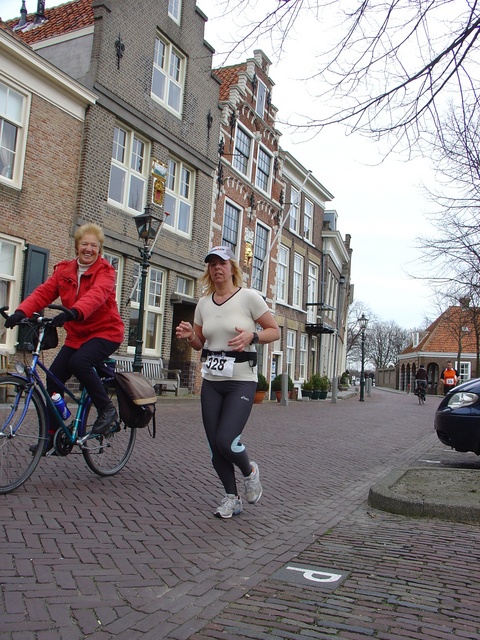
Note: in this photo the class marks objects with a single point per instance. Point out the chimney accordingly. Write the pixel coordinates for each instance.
(40, 15)
(23, 15)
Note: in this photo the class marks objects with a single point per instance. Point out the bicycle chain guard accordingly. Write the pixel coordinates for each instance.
(62, 444)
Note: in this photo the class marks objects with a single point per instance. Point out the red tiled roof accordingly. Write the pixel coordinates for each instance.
(442, 336)
(60, 20)
(228, 76)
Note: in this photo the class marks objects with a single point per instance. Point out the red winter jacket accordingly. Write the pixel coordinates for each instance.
(94, 301)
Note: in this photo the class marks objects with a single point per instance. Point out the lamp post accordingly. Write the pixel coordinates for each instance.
(341, 284)
(148, 227)
(362, 321)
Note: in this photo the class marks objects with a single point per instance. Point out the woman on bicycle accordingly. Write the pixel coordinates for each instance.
(94, 328)
(224, 329)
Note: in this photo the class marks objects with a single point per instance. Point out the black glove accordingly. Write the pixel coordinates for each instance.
(14, 319)
(65, 316)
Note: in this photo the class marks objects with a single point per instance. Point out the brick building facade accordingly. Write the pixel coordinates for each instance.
(313, 280)
(157, 105)
(41, 108)
(249, 188)
(454, 336)
(199, 148)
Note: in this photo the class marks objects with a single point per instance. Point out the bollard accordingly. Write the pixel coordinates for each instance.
(284, 400)
(334, 389)
(369, 387)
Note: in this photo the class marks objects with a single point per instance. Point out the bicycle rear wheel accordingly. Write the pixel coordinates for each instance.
(106, 455)
(17, 434)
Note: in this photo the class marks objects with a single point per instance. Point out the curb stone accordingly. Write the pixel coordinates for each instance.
(446, 494)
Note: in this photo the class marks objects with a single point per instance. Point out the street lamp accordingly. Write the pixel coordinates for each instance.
(148, 227)
(341, 284)
(362, 321)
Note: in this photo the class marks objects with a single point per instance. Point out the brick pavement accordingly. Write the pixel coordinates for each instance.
(140, 555)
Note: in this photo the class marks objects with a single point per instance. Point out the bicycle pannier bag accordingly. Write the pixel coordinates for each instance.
(136, 399)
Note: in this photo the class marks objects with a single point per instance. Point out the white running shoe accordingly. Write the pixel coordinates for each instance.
(231, 506)
(253, 488)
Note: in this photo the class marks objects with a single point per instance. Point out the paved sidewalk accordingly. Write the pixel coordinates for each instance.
(139, 555)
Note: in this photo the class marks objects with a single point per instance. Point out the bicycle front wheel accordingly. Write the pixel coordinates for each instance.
(107, 455)
(23, 432)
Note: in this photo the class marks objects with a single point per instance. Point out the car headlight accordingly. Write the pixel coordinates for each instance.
(462, 399)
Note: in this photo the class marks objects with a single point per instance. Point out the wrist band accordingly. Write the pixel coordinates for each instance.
(194, 336)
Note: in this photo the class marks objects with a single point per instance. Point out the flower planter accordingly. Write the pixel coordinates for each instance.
(307, 393)
(259, 397)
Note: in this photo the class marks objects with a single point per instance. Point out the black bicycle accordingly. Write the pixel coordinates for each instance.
(25, 415)
(421, 393)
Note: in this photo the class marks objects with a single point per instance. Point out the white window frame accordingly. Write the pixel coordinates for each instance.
(297, 285)
(153, 313)
(10, 286)
(175, 10)
(184, 286)
(168, 76)
(312, 292)
(290, 353)
(464, 370)
(228, 239)
(130, 146)
(242, 161)
(179, 197)
(302, 360)
(260, 182)
(117, 263)
(294, 212)
(19, 120)
(308, 219)
(261, 99)
(282, 273)
(260, 259)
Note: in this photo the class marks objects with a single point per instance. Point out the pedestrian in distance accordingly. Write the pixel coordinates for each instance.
(94, 328)
(224, 329)
(449, 377)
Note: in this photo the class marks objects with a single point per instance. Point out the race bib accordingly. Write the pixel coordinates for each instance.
(449, 381)
(219, 366)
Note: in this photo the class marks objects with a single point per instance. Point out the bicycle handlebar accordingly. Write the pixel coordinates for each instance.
(37, 318)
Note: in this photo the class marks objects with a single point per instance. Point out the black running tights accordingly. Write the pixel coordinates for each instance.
(226, 406)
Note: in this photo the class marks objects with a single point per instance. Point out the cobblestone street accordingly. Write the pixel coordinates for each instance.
(140, 555)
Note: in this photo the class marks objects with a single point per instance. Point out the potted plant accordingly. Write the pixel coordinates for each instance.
(307, 389)
(277, 386)
(324, 383)
(320, 386)
(315, 384)
(262, 388)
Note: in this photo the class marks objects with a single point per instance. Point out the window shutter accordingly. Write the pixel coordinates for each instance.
(35, 273)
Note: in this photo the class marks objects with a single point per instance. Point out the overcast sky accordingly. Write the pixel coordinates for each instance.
(380, 205)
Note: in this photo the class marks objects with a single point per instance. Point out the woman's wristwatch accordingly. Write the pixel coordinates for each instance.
(255, 338)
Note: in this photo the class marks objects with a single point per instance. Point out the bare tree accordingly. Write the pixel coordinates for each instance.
(392, 67)
(384, 342)
(356, 309)
(450, 257)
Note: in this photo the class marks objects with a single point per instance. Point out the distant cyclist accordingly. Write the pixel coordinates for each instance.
(421, 379)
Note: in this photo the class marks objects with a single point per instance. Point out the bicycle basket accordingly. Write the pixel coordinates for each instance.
(29, 341)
